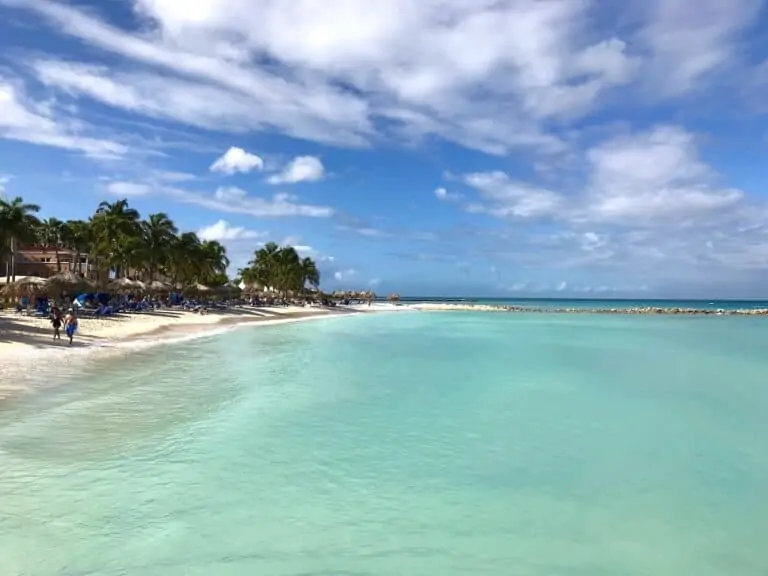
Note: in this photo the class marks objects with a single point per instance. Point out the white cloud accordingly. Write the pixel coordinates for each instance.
(507, 198)
(373, 282)
(237, 201)
(223, 231)
(4, 179)
(237, 160)
(653, 176)
(562, 286)
(129, 189)
(36, 123)
(231, 200)
(171, 176)
(341, 275)
(406, 63)
(688, 45)
(443, 194)
(300, 169)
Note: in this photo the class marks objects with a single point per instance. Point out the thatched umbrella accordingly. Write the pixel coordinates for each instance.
(124, 285)
(157, 286)
(28, 285)
(68, 282)
(199, 289)
(227, 289)
(394, 297)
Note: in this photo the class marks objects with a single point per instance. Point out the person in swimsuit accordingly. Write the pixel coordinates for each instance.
(56, 322)
(70, 324)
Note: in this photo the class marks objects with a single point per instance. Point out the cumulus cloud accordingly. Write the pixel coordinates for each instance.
(300, 169)
(653, 175)
(223, 231)
(237, 160)
(508, 198)
(653, 178)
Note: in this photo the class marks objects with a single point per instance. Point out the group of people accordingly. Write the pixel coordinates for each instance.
(69, 322)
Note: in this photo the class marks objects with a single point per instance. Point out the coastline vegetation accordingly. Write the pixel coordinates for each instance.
(116, 242)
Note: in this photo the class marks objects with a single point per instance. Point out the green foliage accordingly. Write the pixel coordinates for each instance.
(18, 225)
(116, 239)
(282, 269)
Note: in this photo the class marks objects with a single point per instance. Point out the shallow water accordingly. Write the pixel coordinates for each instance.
(404, 443)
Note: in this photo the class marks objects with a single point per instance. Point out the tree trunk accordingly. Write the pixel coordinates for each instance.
(13, 258)
(58, 259)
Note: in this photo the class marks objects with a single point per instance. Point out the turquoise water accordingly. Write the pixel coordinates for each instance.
(399, 444)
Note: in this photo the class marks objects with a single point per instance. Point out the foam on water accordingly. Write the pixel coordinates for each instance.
(401, 444)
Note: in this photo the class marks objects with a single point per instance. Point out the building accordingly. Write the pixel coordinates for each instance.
(42, 262)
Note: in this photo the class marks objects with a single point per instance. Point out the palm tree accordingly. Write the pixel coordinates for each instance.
(310, 273)
(213, 257)
(281, 268)
(76, 235)
(115, 227)
(263, 266)
(50, 235)
(17, 225)
(184, 265)
(158, 234)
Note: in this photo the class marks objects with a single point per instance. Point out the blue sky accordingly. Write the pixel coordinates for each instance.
(447, 147)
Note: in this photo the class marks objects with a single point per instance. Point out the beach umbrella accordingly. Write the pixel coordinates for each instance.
(124, 285)
(200, 288)
(68, 282)
(157, 286)
(25, 285)
(394, 297)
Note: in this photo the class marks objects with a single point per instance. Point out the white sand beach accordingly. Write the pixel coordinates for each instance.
(27, 345)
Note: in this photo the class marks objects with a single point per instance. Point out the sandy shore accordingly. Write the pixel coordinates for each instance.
(27, 346)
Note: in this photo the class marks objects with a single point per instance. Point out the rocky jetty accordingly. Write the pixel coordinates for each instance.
(444, 307)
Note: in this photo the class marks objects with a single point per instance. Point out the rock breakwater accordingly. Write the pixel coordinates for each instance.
(644, 310)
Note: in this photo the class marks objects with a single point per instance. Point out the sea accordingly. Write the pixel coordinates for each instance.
(402, 443)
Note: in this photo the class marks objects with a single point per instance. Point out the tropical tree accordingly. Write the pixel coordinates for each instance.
(213, 257)
(157, 237)
(281, 268)
(77, 236)
(310, 273)
(50, 234)
(115, 232)
(18, 224)
(116, 239)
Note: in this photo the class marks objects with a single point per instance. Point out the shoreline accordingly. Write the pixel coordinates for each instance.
(628, 311)
(28, 353)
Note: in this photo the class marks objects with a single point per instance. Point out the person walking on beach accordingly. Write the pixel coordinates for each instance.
(56, 322)
(70, 324)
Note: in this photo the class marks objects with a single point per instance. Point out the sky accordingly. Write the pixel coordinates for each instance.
(508, 148)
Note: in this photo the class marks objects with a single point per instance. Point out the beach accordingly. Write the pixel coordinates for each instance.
(27, 347)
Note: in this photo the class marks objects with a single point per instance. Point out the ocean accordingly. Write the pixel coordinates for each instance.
(401, 443)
